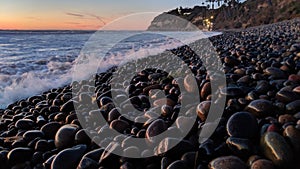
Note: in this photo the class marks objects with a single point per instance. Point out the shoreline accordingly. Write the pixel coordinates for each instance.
(262, 67)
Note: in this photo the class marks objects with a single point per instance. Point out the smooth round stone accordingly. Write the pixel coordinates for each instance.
(206, 90)
(277, 149)
(155, 128)
(37, 158)
(232, 91)
(24, 124)
(132, 151)
(167, 147)
(81, 137)
(184, 124)
(262, 86)
(68, 158)
(294, 78)
(242, 125)
(232, 61)
(178, 164)
(50, 129)
(65, 136)
(240, 146)
(87, 163)
(203, 109)
(190, 84)
(260, 108)
(105, 100)
(287, 96)
(297, 89)
(119, 125)
(275, 73)
(19, 155)
(67, 107)
(252, 159)
(166, 110)
(163, 101)
(42, 145)
(293, 107)
(32, 134)
(227, 162)
(293, 135)
(60, 117)
(245, 79)
(127, 165)
(190, 158)
(285, 118)
(165, 162)
(113, 114)
(95, 154)
(262, 164)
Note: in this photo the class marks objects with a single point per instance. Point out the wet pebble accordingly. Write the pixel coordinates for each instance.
(261, 108)
(155, 128)
(277, 149)
(19, 155)
(293, 136)
(179, 164)
(24, 124)
(203, 109)
(68, 158)
(50, 129)
(65, 136)
(262, 164)
(227, 162)
(242, 125)
(32, 134)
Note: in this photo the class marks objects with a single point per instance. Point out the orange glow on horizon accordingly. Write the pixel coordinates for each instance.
(65, 22)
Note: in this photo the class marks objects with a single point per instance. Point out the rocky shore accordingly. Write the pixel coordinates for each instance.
(259, 129)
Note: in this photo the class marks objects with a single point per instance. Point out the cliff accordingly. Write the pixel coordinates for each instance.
(239, 15)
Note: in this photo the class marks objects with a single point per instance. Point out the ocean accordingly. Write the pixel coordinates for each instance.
(35, 61)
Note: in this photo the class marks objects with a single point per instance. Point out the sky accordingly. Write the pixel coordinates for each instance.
(84, 14)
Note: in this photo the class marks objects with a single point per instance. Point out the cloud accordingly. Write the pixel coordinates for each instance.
(74, 14)
(101, 19)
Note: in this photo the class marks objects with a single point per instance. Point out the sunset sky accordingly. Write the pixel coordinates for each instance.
(82, 14)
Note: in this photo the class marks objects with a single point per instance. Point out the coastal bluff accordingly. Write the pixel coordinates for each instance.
(239, 15)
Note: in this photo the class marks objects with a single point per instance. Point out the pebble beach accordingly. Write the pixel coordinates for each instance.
(259, 127)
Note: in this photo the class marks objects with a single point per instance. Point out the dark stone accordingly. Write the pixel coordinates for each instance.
(287, 96)
(227, 162)
(24, 124)
(68, 158)
(178, 165)
(203, 109)
(293, 107)
(65, 136)
(19, 155)
(275, 73)
(293, 136)
(67, 107)
(32, 134)
(165, 147)
(81, 137)
(261, 108)
(277, 149)
(50, 129)
(240, 146)
(242, 125)
(155, 128)
(262, 164)
(232, 92)
(87, 163)
(119, 125)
